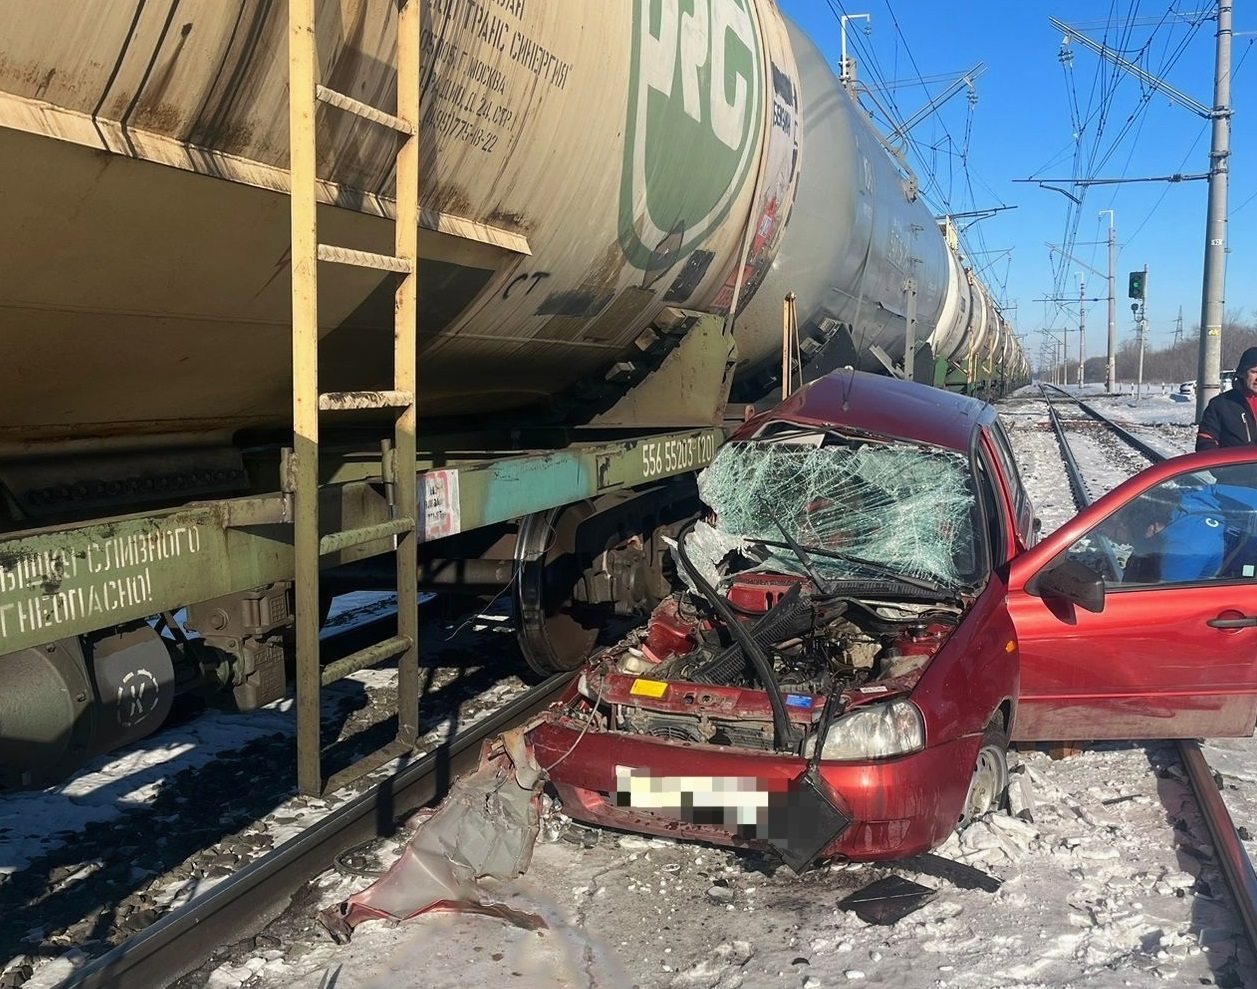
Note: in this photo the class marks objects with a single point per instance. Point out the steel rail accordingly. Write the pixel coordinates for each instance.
(185, 938)
(1229, 852)
(1156, 456)
(1153, 454)
(1076, 483)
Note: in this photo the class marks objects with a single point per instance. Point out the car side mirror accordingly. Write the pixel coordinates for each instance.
(1073, 582)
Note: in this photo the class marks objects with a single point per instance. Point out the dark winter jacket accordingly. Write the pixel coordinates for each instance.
(1227, 421)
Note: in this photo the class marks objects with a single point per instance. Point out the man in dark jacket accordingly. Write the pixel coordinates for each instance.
(1230, 418)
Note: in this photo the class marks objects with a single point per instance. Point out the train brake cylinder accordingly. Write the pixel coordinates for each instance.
(67, 701)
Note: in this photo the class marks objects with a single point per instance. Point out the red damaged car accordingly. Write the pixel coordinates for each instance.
(861, 625)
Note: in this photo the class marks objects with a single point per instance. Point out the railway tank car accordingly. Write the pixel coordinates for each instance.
(614, 200)
(873, 273)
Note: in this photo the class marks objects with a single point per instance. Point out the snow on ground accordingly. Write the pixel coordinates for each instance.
(1099, 891)
(1102, 887)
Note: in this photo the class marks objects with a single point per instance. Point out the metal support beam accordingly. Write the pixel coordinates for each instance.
(406, 328)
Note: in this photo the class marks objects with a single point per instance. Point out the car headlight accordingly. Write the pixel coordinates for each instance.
(874, 731)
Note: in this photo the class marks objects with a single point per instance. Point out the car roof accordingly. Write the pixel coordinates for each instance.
(879, 404)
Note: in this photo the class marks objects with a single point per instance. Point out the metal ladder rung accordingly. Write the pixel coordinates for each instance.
(364, 658)
(302, 482)
(337, 401)
(364, 110)
(363, 259)
(335, 541)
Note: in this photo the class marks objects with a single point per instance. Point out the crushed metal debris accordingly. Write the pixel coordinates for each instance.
(485, 828)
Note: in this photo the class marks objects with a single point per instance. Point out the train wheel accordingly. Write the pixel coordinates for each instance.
(555, 633)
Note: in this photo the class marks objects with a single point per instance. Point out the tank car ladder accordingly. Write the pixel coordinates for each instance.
(398, 466)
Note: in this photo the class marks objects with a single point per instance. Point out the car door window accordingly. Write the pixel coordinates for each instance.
(1008, 463)
(1021, 509)
(1199, 526)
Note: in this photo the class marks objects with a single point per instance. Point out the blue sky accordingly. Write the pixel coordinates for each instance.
(1023, 125)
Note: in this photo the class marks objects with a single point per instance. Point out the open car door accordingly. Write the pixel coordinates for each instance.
(1138, 618)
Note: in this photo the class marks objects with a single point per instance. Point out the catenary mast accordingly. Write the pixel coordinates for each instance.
(1214, 290)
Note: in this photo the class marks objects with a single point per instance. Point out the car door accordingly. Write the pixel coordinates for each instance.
(1138, 619)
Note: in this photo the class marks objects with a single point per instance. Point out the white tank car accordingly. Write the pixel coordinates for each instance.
(858, 239)
(585, 166)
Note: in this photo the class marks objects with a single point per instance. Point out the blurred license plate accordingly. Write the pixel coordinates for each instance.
(725, 800)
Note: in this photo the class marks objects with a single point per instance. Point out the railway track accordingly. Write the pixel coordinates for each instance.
(1232, 857)
(239, 907)
(181, 940)
(209, 798)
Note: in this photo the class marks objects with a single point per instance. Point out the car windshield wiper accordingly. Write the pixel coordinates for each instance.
(880, 568)
(822, 585)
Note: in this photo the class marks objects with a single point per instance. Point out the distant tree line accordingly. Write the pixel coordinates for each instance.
(1173, 363)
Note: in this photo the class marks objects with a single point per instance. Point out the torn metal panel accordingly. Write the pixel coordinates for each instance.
(888, 900)
(485, 828)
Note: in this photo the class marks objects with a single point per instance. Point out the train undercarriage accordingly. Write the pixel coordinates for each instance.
(105, 618)
(570, 570)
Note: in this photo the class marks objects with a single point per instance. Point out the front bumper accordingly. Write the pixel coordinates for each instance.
(891, 809)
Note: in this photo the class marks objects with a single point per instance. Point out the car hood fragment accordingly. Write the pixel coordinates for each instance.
(486, 827)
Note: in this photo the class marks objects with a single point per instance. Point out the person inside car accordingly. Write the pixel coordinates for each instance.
(1230, 418)
(1210, 532)
(1139, 525)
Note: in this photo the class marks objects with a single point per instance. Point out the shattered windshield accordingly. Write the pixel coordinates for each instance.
(903, 507)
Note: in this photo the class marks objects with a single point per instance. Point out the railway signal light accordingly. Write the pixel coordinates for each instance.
(1135, 289)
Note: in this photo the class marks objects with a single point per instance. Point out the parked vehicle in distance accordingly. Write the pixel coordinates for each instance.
(864, 621)
(1225, 378)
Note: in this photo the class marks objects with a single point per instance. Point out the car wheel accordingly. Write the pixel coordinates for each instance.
(989, 782)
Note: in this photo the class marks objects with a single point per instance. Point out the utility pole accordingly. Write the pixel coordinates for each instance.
(1065, 354)
(1143, 332)
(1082, 357)
(1082, 326)
(1214, 288)
(1110, 373)
(1207, 380)
(1054, 367)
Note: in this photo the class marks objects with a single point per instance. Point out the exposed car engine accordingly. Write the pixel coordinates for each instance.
(817, 645)
(829, 564)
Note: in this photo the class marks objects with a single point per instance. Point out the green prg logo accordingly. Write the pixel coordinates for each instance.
(695, 117)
